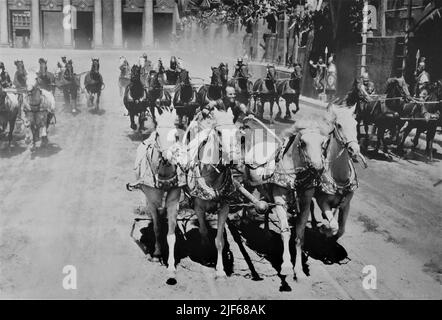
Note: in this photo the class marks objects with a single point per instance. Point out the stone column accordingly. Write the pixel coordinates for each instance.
(4, 34)
(67, 37)
(35, 24)
(118, 26)
(98, 25)
(148, 24)
(174, 18)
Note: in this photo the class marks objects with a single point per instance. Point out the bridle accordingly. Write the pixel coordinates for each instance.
(303, 154)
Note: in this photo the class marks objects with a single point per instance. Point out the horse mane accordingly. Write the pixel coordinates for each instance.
(322, 123)
(165, 119)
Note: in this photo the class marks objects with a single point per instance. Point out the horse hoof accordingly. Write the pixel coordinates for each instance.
(171, 281)
(286, 269)
(300, 275)
(133, 127)
(220, 275)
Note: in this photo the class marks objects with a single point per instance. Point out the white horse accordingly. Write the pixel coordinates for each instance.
(278, 169)
(339, 181)
(158, 174)
(209, 175)
(9, 112)
(38, 104)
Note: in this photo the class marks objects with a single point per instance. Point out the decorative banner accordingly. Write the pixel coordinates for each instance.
(331, 82)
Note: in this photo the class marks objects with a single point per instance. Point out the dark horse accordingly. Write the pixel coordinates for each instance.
(173, 73)
(135, 98)
(212, 91)
(157, 97)
(384, 114)
(93, 82)
(185, 99)
(290, 90)
(264, 90)
(224, 70)
(70, 84)
(431, 112)
(243, 86)
(45, 79)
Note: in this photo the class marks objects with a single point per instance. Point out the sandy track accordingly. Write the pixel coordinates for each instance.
(67, 205)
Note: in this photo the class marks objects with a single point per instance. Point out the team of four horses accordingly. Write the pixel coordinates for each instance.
(198, 152)
(32, 96)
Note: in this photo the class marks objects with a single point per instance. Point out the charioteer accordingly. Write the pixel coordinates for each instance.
(422, 77)
(5, 79)
(239, 110)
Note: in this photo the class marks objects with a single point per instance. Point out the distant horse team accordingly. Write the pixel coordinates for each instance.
(31, 97)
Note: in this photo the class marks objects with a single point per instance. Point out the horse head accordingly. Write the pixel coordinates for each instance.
(95, 68)
(271, 73)
(216, 79)
(224, 71)
(43, 66)
(168, 138)
(297, 72)
(154, 80)
(184, 78)
(227, 132)
(33, 89)
(310, 143)
(20, 66)
(397, 88)
(344, 127)
(173, 63)
(243, 72)
(142, 62)
(161, 69)
(135, 74)
(69, 71)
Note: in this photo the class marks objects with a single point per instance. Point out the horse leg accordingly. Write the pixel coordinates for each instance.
(288, 114)
(199, 207)
(35, 136)
(172, 202)
(154, 199)
(301, 221)
(98, 100)
(358, 128)
(66, 95)
(343, 215)
(219, 240)
(44, 133)
(74, 101)
(12, 121)
(416, 137)
(296, 104)
(133, 126)
(278, 115)
(431, 133)
(406, 132)
(281, 211)
(271, 102)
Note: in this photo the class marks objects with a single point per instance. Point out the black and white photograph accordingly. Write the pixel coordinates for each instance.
(242, 151)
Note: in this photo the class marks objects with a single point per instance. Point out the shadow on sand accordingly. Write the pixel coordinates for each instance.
(97, 112)
(187, 245)
(269, 245)
(46, 151)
